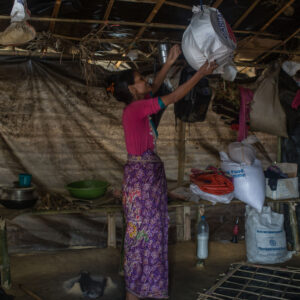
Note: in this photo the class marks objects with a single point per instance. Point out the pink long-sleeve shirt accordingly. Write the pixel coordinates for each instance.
(139, 133)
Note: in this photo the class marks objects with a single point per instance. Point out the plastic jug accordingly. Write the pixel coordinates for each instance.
(202, 239)
(24, 180)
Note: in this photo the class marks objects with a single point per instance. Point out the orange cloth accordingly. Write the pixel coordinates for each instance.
(212, 183)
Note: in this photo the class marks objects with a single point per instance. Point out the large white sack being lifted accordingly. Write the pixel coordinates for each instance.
(209, 37)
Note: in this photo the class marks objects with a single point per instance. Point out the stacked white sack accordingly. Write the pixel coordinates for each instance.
(209, 38)
(248, 181)
(265, 237)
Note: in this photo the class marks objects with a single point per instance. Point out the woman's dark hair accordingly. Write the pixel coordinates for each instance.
(120, 82)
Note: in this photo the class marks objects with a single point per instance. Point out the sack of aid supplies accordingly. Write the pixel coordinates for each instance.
(208, 38)
(265, 237)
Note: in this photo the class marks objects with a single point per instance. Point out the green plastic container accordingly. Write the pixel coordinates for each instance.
(87, 189)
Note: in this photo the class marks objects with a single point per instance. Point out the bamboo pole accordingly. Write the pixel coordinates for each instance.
(55, 12)
(267, 274)
(109, 22)
(245, 14)
(106, 16)
(205, 296)
(248, 292)
(170, 3)
(279, 45)
(217, 3)
(4, 257)
(148, 20)
(294, 226)
(181, 152)
(126, 40)
(134, 24)
(276, 15)
(142, 30)
(241, 50)
(264, 281)
(29, 293)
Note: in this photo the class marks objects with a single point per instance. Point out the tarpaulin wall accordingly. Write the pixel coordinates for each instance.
(58, 129)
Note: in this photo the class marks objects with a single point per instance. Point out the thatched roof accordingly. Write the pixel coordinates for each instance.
(109, 29)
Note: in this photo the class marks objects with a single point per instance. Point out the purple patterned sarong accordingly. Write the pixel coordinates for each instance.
(146, 238)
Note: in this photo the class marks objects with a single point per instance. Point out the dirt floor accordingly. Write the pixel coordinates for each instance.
(45, 274)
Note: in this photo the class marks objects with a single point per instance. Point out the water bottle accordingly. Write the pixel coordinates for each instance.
(202, 239)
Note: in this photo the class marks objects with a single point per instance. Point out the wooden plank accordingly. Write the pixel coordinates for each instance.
(55, 12)
(245, 14)
(111, 224)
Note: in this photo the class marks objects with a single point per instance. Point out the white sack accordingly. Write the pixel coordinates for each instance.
(19, 11)
(209, 37)
(291, 67)
(242, 152)
(265, 237)
(248, 181)
(211, 197)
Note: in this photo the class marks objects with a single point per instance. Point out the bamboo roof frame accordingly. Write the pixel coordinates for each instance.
(148, 24)
(153, 13)
(279, 45)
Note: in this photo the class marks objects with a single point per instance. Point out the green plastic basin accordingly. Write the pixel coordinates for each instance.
(87, 189)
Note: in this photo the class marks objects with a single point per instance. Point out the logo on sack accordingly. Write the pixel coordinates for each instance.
(225, 28)
(272, 243)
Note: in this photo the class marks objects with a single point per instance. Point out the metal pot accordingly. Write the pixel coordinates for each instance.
(16, 197)
(163, 50)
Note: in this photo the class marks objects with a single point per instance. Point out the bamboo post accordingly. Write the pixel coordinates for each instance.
(294, 225)
(278, 159)
(181, 152)
(4, 257)
(179, 223)
(111, 237)
(187, 223)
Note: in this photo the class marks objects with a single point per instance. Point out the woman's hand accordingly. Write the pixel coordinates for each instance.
(173, 54)
(208, 68)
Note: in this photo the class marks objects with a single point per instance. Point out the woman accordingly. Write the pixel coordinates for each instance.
(145, 186)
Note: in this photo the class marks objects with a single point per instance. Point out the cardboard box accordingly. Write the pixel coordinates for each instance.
(286, 188)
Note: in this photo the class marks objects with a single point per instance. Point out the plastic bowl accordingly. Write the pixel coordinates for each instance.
(87, 189)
